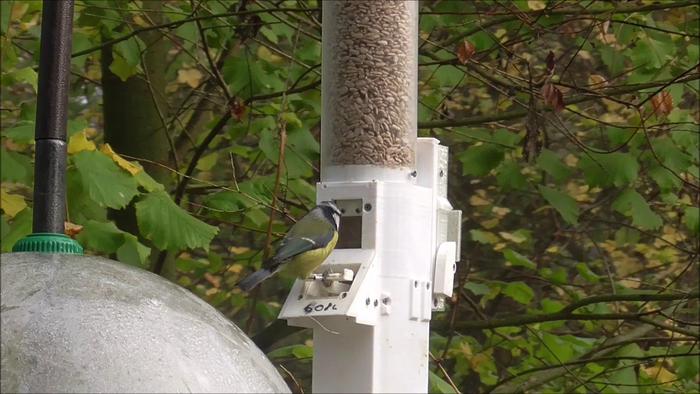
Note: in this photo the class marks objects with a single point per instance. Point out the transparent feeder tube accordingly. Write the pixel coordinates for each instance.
(370, 71)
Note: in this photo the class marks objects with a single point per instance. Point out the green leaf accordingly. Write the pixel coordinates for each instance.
(586, 273)
(169, 226)
(438, 385)
(555, 349)
(613, 59)
(449, 75)
(477, 288)
(615, 168)
(101, 236)
(226, 201)
(551, 306)
(519, 260)
(303, 351)
(664, 178)
(301, 150)
(147, 182)
(104, 181)
(687, 367)
(632, 204)
(556, 275)
(22, 132)
(519, 291)
(20, 227)
(552, 164)
(483, 237)
(690, 219)
(121, 68)
(563, 203)
(130, 51)
(509, 176)
(15, 167)
(242, 76)
(5, 12)
(297, 351)
(133, 252)
(481, 159)
(26, 75)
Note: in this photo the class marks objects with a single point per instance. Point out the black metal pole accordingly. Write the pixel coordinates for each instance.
(52, 117)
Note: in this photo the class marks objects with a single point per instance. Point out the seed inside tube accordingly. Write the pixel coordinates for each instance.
(371, 71)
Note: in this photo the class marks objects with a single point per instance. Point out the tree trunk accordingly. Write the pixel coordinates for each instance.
(132, 123)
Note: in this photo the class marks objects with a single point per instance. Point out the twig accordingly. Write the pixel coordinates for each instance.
(294, 380)
(566, 313)
(444, 372)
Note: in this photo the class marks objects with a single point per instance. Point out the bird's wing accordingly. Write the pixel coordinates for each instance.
(311, 232)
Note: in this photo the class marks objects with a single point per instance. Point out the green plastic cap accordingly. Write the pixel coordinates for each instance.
(48, 243)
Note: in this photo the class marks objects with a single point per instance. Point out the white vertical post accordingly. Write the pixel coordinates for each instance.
(369, 134)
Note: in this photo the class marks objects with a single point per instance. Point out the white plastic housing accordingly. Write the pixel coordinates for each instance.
(371, 335)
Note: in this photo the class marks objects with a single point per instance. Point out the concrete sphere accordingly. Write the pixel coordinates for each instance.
(87, 324)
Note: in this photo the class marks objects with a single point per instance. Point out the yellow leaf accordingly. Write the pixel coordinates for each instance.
(139, 21)
(79, 142)
(631, 283)
(585, 55)
(235, 268)
(211, 291)
(552, 249)
(536, 4)
(500, 211)
(132, 168)
(571, 160)
(659, 373)
(11, 204)
(597, 81)
(478, 201)
(190, 76)
(238, 249)
(72, 229)
(94, 72)
(19, 8)
(499, 246)
(512, 237)
(267, 55)
(491, 223)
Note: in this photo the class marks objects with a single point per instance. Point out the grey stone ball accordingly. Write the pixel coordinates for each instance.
(88, 324)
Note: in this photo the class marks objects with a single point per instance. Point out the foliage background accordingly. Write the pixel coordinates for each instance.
(573, 132)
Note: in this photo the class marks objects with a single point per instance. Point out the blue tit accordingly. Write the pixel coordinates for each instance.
(305, 247)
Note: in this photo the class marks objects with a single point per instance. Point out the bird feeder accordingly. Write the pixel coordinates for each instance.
(74, 323)
(370, 303)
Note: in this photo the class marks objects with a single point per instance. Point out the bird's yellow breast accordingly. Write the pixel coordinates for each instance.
(305, 263)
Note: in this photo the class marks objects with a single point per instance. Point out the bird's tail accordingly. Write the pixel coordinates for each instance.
(254, 279)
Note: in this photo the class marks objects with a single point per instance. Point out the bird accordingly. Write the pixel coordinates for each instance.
(306, 245)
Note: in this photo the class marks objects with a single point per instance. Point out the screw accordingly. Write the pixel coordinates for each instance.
(376, 303)
(386, 300)
(442, 173)
(367, 301)
(368, 207)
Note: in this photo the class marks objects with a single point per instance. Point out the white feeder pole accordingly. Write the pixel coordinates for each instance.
(370, 303)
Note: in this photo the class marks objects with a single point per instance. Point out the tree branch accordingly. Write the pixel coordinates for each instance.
(567, 312)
